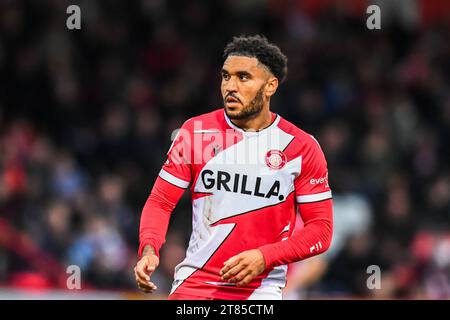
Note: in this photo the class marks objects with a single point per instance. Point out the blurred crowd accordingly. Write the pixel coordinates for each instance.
(86, 118)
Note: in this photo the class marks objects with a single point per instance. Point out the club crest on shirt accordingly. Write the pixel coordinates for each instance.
(276, 159)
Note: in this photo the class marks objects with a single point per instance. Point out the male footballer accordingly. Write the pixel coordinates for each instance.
(249, 171)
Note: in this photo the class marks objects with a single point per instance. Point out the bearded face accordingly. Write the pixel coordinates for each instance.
(243, 85)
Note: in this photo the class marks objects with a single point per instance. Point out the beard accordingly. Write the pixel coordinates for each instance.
(250, 110)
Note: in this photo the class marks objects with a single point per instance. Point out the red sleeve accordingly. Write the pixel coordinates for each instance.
(156, 214)
(313, 239)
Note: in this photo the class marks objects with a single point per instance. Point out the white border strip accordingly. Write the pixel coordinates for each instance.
(173, 180)
(314, 197)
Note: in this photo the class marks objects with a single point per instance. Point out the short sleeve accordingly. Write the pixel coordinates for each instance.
(312, 184)
(177, 168)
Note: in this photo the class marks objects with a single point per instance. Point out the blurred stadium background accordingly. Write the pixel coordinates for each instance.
(86, 118)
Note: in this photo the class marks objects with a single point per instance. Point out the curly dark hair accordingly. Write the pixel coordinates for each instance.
(260, 48)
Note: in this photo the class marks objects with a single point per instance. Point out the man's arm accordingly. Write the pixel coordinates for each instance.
(155, 215)
(155, 219)
(173, 179)
(153, 228)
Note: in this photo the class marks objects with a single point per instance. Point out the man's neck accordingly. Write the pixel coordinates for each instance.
(257, 123)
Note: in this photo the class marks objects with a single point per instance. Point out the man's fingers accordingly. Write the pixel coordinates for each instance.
(143, 280)
(233, 271)
(147, 288)
(148, 285)
(245, 281)
(241, 275)
(141, 273)
(230, 263)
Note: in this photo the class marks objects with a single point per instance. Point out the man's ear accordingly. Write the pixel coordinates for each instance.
(271, 86)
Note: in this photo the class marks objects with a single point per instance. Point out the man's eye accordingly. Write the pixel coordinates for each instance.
(244, 77)
(225, 76)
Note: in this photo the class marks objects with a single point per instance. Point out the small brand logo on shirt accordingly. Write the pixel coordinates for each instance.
(320, 181)
(276, 159)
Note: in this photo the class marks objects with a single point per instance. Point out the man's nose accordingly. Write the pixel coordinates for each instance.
(231, 85)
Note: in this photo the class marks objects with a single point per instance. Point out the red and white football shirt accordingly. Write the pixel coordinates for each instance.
(245, 187)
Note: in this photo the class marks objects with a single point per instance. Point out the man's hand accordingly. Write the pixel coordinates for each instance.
(144, 269)
(242, 268)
